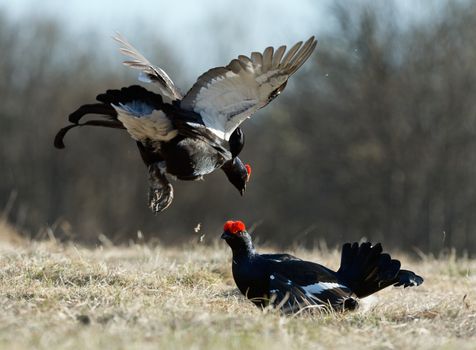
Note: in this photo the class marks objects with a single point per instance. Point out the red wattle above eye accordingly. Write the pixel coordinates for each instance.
(228, 225)
(234, 226)
(248, 169)
(238, 226)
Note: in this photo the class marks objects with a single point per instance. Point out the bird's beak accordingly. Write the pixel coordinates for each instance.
(242, 191)
(225, 235)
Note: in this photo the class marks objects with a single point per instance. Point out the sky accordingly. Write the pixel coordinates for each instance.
(182, 25)
(198, 32)
(185, 18)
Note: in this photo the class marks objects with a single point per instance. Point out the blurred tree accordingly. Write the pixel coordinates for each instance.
(376, 140)
(385, 127)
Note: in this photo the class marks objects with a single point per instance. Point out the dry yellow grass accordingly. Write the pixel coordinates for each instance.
(139, 297)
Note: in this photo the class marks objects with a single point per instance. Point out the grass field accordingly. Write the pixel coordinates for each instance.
(141, 297)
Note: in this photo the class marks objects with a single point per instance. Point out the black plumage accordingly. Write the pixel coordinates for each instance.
(190, 136)
(191, 154)
(291, 284)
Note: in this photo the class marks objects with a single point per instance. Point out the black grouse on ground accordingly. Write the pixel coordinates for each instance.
(190, 136)
(291, 284)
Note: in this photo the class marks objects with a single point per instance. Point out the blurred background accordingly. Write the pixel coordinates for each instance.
(374, 137)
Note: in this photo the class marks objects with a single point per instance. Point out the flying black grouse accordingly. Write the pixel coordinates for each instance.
(190, 136)
(291, 284)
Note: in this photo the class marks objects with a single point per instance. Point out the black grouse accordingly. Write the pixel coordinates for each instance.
(190, 136)
(291, 284)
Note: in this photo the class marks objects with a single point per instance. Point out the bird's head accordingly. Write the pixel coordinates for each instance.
(238, 173)
(236, 236)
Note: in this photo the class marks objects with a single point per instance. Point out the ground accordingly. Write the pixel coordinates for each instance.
(140, 296)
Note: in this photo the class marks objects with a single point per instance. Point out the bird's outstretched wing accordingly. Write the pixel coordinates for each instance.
(226, 96)
(149, 72)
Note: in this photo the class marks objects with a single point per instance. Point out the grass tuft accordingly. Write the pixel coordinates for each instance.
(142, 297)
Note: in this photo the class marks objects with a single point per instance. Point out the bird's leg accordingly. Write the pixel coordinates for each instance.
(161, 192)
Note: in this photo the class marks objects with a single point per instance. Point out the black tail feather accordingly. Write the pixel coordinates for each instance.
(366, 270)
(59, 138)
(408, 279)
(107, 111)
(95, 108)
(131, 93)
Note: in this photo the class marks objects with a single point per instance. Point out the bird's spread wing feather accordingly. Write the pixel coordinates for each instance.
(226, 96)
(149, 72)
